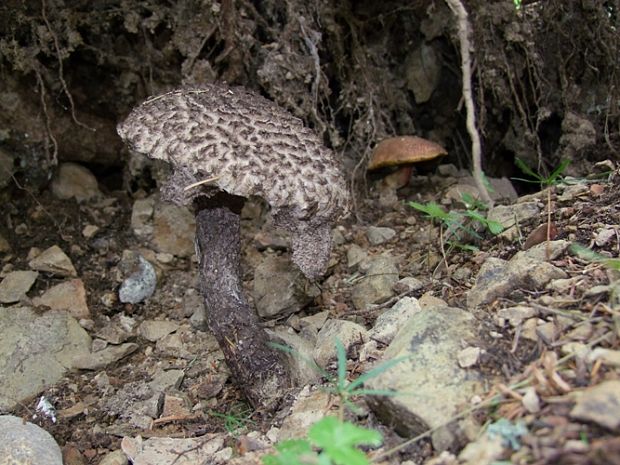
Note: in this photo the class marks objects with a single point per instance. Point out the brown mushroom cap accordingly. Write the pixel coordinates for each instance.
(403, 150)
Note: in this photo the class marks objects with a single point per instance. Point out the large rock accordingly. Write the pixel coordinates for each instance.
(377, 285)
(23, 443)
(431, 385)
(69, 296)
(36, 351)
(280, 288)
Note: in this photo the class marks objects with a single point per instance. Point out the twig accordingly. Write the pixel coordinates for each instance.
(204, 181)
(48, 125)
(476, 153)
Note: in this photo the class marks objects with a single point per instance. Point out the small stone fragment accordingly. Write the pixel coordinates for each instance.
(154, 330)
(379, 235)
(530, 400)
(171, 450)
(141, 278)
(173, 230)
(604, 236)
(69, 296)
(377, 285)
(15, 285)
(391, 321)
(469, 356)
(515, 315)
(355, 256)
(599, 404)
(116, 457)
(53, 260)
(347, 332)
(141, 215)
(26, 443)
(89, 231)
(101, 359)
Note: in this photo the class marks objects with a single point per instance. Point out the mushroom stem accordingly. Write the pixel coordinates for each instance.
(258, 368)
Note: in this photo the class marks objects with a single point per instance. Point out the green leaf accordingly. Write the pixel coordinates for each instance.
(432, 209)
(376, 371)
(291, 452)
(495, 227)
(341, 353)
(339, 440)
(558, 171)
(307, 360)
(527, 170)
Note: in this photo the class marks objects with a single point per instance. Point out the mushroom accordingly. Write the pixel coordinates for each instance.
(224, 145)
(403, 152)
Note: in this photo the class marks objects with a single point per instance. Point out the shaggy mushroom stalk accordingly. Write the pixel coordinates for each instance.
(224, 145)
(255, 365)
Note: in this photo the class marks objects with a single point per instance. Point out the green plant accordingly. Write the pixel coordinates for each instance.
(235, 419)
(592, 256)
(553, 178)
(461, 227)
(334, 440)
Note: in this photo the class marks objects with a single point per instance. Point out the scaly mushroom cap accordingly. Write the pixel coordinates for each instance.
(404, 150)
(251, 147)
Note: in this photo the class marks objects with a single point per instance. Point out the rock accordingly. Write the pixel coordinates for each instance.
(116, 457)
(455, 193)
(498, 278)
(539, 252)
(140, 281)
(377, 285)
(141, 215)
(280, 288)
(69, 296)
(89, 231)
(169, 451)
(101, 359)
(607, 356)
(39, 348)
(15, 285)
(174, 228)
(599, 404)
(468, 357)
(154, 330)
(347, 332)
(355, 256)
(408, 284)
(53, 260)
(23, 443)
(604, 236)
(428, 300)
(391, 321)
(75, 181)
(430, 375)
(483, 451)
(5, 247)
(530, 400)
(379, 235)
(514, 315)
(308, 408)
(300, 362)
(423, 70)
(511, 215)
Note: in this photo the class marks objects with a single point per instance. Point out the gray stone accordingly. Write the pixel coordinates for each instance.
(15, 285)
(377, 285)
(605, 235)
(174, 228)
(116, 457)
(53, 260)
(101, 359)
(280, 288)
(408, 284)
(347, 332)
(498, 278)
(599, 404)
(69, 296)
(36, 351)
(154, 330)
(431, 384)
(24, 443)
(169, 451)
(514, 315)
(75, 181)
(379, 235)
(511, 215)
(547, 250)
(308, 408)
(300, 361)
(355, 256)
(391, 321)
(141, 279)
(141, 216)
(423, 70)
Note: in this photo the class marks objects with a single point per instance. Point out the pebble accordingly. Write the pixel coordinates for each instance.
(89, 231)
(469, 356)
(599, 404)
(347, 332)
(23, 443)
(355, 256)
(392, 320)
(69, 296)
(379, 235)
(101, 359)
(15, 285)
(168, 450)
(514, 315)
(174, 228)
(142, 279)
(141, 215)
(116, 457)
(53, 260)
(377, 285)
(154, 330)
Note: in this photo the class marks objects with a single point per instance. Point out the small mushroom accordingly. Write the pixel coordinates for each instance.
(403, 152)
(224, 145)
